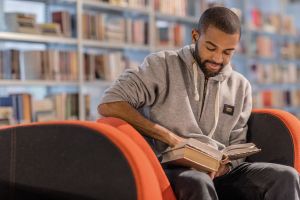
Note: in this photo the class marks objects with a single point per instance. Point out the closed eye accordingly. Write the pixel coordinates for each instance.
(228, 53)
(210, 49)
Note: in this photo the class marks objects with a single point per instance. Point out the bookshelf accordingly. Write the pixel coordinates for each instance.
(136, 18)
(274, 71)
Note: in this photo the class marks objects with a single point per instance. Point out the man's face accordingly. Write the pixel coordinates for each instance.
(215, 49)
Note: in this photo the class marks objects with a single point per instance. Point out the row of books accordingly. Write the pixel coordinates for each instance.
(62, 24)
(276, 98)
(129, 3)
(274, 73)
(172, 7)
(38, 65)
(170, 34)
(290, 50)
(268, 47)
(271, 22)
(114, 28)
(106, 66)
(23, 108)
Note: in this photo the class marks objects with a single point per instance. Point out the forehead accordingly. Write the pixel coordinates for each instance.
(220, 38)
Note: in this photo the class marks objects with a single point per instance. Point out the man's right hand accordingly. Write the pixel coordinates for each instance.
(176, 140)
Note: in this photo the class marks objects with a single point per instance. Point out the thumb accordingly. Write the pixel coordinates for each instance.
(212, 175)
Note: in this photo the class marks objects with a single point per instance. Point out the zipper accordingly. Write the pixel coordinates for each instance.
(204, 95)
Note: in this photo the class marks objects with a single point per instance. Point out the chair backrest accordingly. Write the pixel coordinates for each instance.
(278, 134)
(73, 160)
(127, 129)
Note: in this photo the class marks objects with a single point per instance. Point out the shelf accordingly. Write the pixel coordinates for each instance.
(25, 37)
(99, 83)
(275, 86)
(162, 48)
(172, 18)
(54, 1)
(114, 45)
(274, 35)
(37, 83)
(263, 60)
(96, 5)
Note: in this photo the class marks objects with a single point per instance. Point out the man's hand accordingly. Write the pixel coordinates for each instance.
(176, 140)
(223, 169)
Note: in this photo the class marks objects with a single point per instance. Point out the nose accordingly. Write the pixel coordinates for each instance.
(217, 57)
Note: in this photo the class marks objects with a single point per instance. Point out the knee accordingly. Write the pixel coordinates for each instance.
(288, 175)
(196, 179)
(193, 184)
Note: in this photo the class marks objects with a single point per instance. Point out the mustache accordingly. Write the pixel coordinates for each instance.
(212, 62)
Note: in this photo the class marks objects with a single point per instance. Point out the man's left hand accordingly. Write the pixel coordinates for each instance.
(224, 167)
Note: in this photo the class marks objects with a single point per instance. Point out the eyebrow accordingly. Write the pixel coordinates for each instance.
(230, 49)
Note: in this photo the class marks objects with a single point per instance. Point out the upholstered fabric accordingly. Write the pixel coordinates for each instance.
(278, 134)
(127, 129)
(73, 160)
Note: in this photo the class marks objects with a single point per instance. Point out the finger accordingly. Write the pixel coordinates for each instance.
(212, 175)
(224, 162)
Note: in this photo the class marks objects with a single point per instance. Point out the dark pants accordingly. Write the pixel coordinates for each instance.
(247, 181)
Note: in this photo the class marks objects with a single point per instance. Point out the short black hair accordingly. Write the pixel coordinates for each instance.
(221, 18)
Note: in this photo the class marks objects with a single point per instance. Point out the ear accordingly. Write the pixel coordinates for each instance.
(195, 35)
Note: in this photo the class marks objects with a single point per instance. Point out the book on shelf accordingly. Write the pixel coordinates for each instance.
(38, 65)
(170, 34)
(6, 115)
(64, 19)
(20, 105)
(52, 29)
(125, 3)
(203, 157)
(21, 22)
(276, 98)
(106, 66)
(172, 7)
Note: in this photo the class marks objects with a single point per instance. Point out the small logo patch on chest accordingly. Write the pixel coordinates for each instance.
(228, 109)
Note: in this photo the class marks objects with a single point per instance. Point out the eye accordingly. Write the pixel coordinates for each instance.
(227, 53)
(210, 48)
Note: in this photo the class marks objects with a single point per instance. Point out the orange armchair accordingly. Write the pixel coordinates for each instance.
(73, 160)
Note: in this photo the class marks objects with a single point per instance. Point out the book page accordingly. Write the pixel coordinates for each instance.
(240, 150)
(238, 146)
(200, 146)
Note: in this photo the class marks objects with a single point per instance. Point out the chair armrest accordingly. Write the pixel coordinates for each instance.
(277, 132)
(128, 130)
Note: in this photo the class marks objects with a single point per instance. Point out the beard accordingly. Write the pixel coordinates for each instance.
(202, 64)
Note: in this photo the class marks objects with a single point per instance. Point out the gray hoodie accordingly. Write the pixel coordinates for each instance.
(168, 89)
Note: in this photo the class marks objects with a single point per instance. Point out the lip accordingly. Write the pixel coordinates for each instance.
(213, 67)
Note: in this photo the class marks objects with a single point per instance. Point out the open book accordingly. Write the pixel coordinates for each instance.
(203, 157)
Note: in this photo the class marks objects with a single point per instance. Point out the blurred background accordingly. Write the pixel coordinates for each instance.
(58, 56)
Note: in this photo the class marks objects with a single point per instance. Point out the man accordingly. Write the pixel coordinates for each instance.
(194, 92)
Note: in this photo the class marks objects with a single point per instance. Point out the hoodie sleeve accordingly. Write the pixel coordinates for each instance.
(239, 132)
(139, 87)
